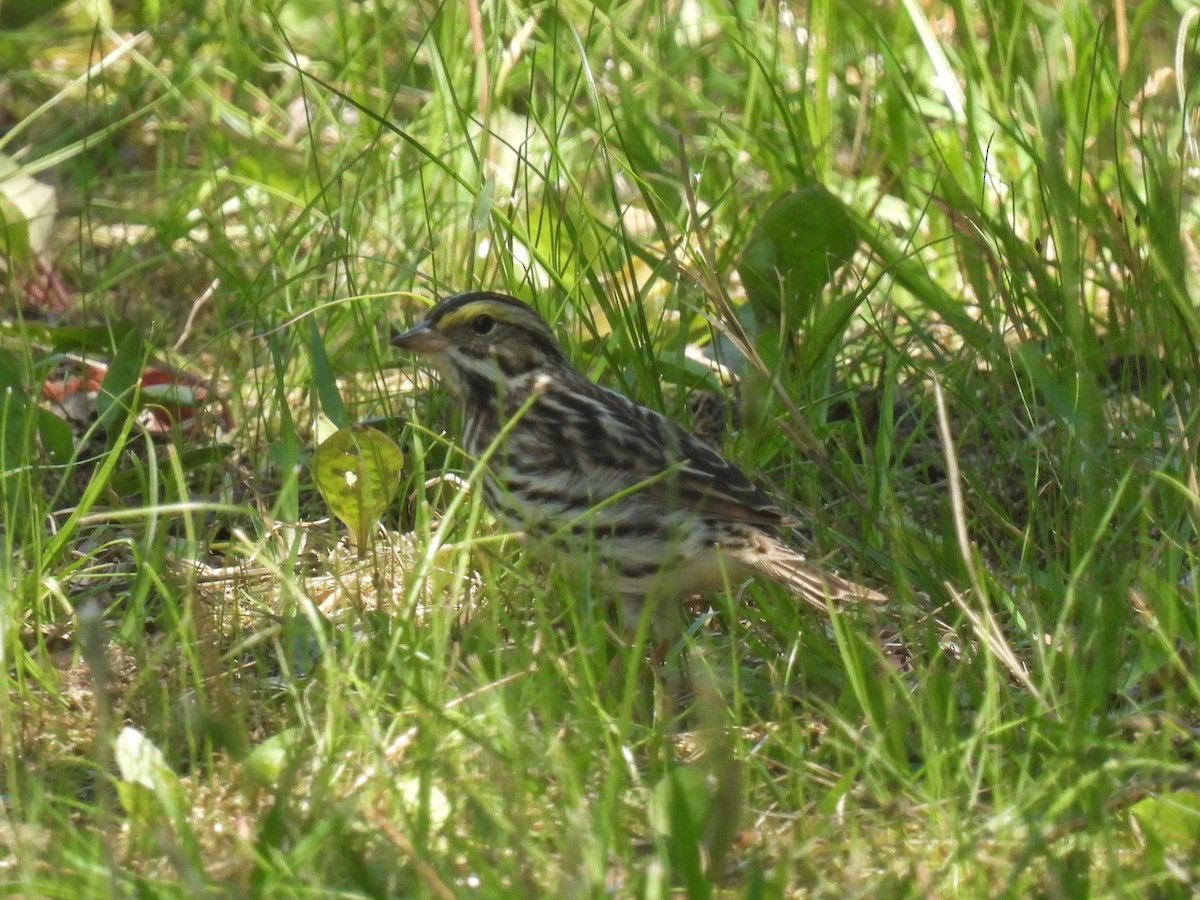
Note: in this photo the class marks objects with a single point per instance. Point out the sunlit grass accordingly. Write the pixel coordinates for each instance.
(262, 197)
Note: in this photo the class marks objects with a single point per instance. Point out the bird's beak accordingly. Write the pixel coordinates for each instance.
(421, 338)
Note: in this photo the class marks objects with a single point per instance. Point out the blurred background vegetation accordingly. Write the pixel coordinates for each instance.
(938, 263)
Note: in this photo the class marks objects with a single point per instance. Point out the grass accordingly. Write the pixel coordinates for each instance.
(988, 412)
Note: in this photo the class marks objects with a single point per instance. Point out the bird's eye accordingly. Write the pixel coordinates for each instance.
(482, 324)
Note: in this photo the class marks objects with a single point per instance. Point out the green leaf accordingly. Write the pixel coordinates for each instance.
(88, 339)
(423, 800)
(14, 404)
(1172, 819)
(114, 401)
(57, 438)
(357, 472)
(142, 764)
(679, 804)
(267, 762)
(794, 248)
(303, 640)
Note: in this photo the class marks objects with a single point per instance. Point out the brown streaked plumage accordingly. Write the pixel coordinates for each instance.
(585, 470)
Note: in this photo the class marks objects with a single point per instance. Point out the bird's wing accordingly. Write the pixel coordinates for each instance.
(708, 482)
(639, 451)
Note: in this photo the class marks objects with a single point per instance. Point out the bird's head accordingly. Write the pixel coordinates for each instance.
(486, 344)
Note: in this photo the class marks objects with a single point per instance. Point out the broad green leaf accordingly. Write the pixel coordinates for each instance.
(679, 804)
(303, 640)
(14, 405)
(89, 339)
(142, 764)
(1173, 819)
(793, 250)
(58, 441)
(115, 399)
(424, 801)
(681, 785)
(267, 762)
(357, 471)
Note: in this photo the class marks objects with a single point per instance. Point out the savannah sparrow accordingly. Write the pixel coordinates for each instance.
(591, 474)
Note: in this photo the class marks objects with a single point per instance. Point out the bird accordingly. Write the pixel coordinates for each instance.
(584, 472)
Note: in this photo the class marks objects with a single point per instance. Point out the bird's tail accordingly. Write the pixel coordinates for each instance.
(812, 583)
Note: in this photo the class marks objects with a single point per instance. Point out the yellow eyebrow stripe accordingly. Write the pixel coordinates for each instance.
(501, 312)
